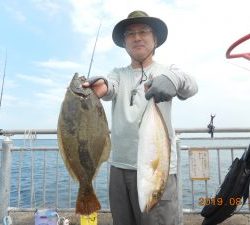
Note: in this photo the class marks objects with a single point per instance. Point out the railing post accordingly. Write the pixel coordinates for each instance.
(179, 180)
(5, 176)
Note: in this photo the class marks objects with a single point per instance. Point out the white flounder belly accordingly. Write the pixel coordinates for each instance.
(153, 160)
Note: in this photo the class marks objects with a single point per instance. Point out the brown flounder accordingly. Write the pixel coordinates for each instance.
(83, 139)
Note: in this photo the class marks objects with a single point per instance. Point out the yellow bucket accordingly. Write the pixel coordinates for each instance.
(89, 220)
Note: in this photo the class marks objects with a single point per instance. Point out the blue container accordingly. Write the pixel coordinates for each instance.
(46, 217)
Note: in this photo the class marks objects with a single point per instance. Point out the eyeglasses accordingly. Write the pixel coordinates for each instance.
(132, 33)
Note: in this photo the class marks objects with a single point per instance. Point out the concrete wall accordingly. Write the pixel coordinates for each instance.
(27, 218)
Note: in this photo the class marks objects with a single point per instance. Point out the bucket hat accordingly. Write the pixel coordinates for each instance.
(159, 27)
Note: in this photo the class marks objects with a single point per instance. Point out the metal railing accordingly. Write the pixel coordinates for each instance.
(33, 175)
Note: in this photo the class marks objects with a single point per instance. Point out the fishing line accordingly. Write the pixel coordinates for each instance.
(134, 90)
(4, 73)
(242, 67)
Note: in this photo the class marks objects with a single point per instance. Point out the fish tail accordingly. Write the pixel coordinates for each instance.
(87, 201)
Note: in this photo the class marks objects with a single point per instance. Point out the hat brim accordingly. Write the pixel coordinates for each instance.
(159, 27)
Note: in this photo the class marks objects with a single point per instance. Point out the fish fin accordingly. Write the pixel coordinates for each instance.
(106, 151)
(105, 154)
(87, 201)
(64, 157)
(155, 163)
(150, 206)
(163, 121)
(166, 131)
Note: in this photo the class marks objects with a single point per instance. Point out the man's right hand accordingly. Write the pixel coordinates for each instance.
(98, 84)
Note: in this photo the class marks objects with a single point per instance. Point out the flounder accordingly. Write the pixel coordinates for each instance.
(84, 140)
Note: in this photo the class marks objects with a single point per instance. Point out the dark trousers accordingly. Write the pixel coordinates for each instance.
(124, 203)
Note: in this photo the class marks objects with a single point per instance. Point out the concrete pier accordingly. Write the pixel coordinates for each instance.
(27, 218)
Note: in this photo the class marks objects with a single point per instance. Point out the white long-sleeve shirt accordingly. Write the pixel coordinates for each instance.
(126, 118)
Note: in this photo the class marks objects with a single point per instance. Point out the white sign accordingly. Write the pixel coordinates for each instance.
(199, 164)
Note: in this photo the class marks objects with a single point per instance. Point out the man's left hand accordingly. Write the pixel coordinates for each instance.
(161, 88)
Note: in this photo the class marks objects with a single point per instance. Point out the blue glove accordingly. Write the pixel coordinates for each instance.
(161, 88)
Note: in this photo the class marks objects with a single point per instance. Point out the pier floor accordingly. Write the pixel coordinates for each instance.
(27, 218)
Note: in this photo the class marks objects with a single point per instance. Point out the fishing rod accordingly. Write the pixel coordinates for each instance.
(91, 61)
(4, 72)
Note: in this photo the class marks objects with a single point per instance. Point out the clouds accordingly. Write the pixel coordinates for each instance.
(200, 31)
(50, 7)
(85, 16)
(59, 64)
(196, 28)
(13, 11)
(19, 13)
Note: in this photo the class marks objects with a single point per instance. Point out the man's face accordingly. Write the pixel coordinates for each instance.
(139, 41)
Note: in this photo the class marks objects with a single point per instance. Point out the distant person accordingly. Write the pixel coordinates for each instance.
(140, 35)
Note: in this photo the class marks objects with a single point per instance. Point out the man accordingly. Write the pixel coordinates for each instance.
(140, 35)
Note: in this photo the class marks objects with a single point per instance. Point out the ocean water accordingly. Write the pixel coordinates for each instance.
(51, 177)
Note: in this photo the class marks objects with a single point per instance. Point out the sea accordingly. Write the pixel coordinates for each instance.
(47, 183)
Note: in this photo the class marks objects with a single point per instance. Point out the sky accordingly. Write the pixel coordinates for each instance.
(47, 41)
